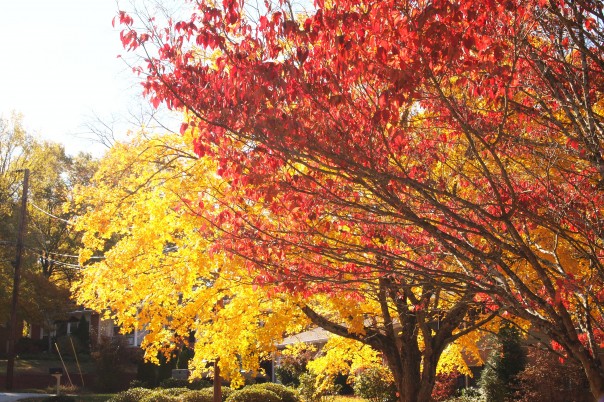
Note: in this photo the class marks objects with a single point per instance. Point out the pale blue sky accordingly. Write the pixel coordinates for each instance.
(59, 67)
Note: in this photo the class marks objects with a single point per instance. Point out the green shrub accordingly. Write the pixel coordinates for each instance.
(173, 383)
(498, 380)
(226, 392)
(196, 384)
(153, 375)
(82, 334)
(309, 392)
(285, 393)
(131, 395)
(491, 385)
(250, 394)
(199, 383)
(204, 395)
(375, 385)
(468, 395)
(160, 395)
(138, 384)
(174, 391)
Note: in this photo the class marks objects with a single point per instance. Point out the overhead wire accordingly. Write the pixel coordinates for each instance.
(41, 252)
(49, 214)
(52, 252)
(66, 264)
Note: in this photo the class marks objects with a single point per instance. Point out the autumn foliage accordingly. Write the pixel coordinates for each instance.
(439, 160)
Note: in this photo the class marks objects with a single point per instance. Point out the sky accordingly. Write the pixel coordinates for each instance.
(59, 69)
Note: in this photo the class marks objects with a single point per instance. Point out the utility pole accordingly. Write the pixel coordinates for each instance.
(10, 364)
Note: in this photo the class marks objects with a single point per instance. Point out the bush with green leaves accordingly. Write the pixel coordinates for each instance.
(164, 395)
(131, 395)
(249, 394)
(375, 385)
(174, 391)
(208, 391)
(196, 384)
(173, 383)
(138, 384)
(498, 380)
(468, 395)
(203, 395)
(226, 392)
(491, 385)
(285, 393)
(310, 392)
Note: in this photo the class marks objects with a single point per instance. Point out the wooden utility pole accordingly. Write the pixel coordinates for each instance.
(10, 364)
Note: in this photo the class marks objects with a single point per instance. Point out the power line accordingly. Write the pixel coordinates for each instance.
(100, 257)
(65, 264)
(39, 250)
(49, 214)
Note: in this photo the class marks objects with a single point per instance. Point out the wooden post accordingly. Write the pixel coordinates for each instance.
(12, 336)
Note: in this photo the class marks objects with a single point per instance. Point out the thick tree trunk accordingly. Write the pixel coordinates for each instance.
(596, 382)
(414, 383)
(428, 379)
(407, 379)
(593, 371)
(413, 368)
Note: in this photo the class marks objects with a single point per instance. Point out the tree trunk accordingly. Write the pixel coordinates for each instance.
(217, 383)
(406, 370)
(428, 376)
(594, 373)
(407, 381)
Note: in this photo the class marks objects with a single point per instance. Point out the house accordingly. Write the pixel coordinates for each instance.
(98, 328)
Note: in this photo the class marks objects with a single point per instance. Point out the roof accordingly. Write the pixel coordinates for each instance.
(313, 337)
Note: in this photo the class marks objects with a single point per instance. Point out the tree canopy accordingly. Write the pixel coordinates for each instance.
(50, 260)
(161, 271)
(421, 149)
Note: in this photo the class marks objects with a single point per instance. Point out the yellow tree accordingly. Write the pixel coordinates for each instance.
(151, 266)
(157, 260)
